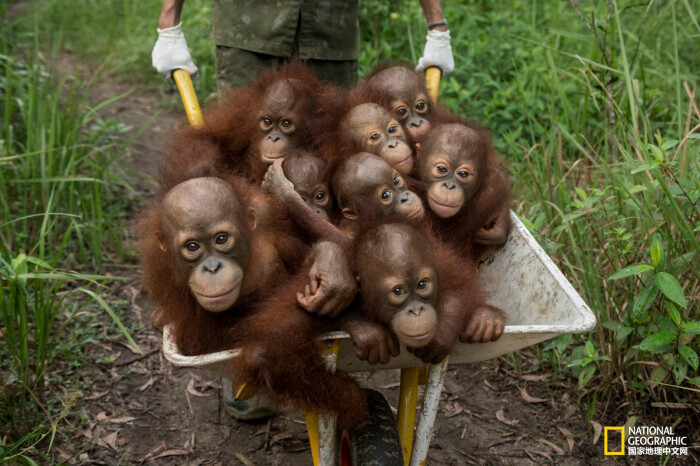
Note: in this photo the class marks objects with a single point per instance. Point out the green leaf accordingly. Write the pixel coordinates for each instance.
(680, 368)
(645, 167)
(691, 327)
(657, 250)
(673, 313)
(585, 376)
(114, 317)
(695, 380)
(563, 341)
(590, 349)
(665, 324)
(613, 325)
(630, 270)
(657, 339)
(659, 375)
(669, 144)
(669, 286)
(644, 299)
(689, 355)
(656, 152)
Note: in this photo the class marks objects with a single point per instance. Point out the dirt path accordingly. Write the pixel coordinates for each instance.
(142, 409)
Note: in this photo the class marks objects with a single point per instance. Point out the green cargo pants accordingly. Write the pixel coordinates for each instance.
(237, 67)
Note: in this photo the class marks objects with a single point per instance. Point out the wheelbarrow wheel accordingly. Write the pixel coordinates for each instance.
(375, 441)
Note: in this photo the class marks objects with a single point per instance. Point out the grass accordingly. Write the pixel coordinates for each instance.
(593, 107)
(62, 208)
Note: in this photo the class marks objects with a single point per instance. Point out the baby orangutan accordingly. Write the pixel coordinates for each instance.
(408, 101)
(367, 190)
(309, 176)
(370, 128)
(211, 249)
(250, 127)
(416, 292)
(466, 188)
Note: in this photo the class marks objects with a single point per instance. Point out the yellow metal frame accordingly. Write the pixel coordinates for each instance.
(189, 98)
(411, 377)
(312, 423)
(408, 392)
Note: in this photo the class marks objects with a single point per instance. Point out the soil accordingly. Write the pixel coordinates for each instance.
(142, 409)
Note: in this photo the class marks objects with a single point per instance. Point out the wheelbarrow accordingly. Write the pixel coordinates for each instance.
(519, 277)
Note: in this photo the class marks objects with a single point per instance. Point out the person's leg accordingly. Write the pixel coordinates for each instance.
(339, 72)
(236, 67)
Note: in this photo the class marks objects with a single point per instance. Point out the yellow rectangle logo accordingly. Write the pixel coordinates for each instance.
(622, 441)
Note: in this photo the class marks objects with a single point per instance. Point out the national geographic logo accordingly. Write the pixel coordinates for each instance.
(643, 440)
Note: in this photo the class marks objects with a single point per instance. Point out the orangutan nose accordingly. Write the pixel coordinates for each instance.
(212, 265)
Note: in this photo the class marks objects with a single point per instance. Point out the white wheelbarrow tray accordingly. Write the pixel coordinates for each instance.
(519, 277)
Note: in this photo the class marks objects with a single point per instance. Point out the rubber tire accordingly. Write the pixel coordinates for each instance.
(375, 442)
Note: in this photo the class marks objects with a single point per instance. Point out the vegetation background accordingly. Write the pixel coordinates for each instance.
(593, 106)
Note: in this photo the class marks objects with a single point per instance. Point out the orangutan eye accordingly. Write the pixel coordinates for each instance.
(267, 121)
(397, 180)
(192, 246)
(398, 291)
(422, 284)
(221, 239)
(286, 123)
(374, 136)
(420, 105)
(386, 195)
(401, 111)
(463, 173)
(442, 169)
(392, 129)
(320, 196)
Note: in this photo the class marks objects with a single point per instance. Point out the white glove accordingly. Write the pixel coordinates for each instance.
(171, 52)
(437, 52)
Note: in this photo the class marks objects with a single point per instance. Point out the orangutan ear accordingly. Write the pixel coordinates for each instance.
(252, 219)
(349, 214)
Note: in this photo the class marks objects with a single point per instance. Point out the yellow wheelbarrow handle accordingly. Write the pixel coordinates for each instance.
(189, 98)
(432, 82)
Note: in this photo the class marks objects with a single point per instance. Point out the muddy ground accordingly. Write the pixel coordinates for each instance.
(141, 409)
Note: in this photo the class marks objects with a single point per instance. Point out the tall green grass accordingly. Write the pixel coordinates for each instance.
(594, 109)
(62, 217)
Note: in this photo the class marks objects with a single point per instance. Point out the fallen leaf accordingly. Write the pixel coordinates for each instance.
(541, 453)
(554, 447)
(486, 382)
(570, 411)
(173, 452)
(152, 453)
(502, 417)
(101, 416)
(243, 459)
(597, 429)
(565, 398)
(130, 348)
(279, 437)
(569, 437)
(121, 420)
(530, 399)
(455, 409)
(390, 385)
(95, 396)
(532, 377)
(150, 382)
(111, 440)
(193, 391)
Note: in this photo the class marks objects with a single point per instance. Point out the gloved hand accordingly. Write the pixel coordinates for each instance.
(437, 52)
(171, 52)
